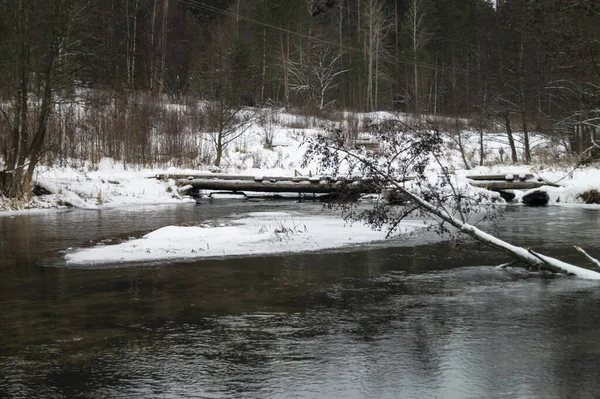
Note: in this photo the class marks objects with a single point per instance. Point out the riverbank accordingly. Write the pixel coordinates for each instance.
(111, 184)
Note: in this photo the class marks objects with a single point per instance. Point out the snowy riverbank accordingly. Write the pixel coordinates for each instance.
(109, 183)
(574, 183)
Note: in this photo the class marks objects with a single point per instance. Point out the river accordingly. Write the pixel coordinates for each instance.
(422, 319)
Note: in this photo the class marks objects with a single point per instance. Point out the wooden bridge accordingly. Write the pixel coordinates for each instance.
(271, 184)
(194, 184)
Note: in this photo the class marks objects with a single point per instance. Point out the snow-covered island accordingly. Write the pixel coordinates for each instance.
(256, 233)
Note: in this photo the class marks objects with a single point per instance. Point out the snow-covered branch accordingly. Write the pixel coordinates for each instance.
(594, 260)
(437, 201)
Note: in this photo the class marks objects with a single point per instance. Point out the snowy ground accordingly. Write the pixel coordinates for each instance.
(250, 234)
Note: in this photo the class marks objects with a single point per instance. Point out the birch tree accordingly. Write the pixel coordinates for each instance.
(419, 32)
(376, 26)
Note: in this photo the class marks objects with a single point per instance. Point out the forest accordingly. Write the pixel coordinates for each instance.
(135, 80)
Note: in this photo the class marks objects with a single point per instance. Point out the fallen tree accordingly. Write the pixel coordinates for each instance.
(409, 148)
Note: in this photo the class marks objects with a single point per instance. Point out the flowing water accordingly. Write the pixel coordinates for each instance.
(422, 319)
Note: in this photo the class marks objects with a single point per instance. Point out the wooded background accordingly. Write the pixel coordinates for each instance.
(526, 64)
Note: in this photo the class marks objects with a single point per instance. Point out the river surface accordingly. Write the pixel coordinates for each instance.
(422, 319)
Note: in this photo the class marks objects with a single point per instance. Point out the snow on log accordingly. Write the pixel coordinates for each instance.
(522, 176)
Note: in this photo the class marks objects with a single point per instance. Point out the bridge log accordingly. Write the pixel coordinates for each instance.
(508, 185)
(278, 187)
(504, 176)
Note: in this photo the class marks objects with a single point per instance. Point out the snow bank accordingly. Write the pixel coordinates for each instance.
(574, 184)
(110, 185)
(255, 233)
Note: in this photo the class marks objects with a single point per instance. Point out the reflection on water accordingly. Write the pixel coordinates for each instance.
(412, 321)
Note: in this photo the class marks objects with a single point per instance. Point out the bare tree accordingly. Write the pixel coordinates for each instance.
(132, 28)
(226, 83)
(418, 30)
(315, 75)
(376, 26)
(44, 48)
(226, 124)
(163, 45)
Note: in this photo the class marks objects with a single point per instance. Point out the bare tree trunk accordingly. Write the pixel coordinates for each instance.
(526, 145)
(416, 81)
(435, 87)
(237, 19)
(24, 153)
(128, 44)
(414, 25)
(454, 79)
(42, 124)
(377, 27)
(511, 139)
(370, 55)
(481, 157)
(376, 76)
(152, 49)
(13, 176)
(284, 64)
(163, 45)
(522, 105)
(418, 30)
(219, 148)
(461, 147)
(341, 49)
(133, 45)
(264, 67)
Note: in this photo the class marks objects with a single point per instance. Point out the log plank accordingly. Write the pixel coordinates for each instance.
(276, 187)
(508, 185)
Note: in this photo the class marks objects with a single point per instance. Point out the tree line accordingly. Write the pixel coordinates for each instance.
(527, 65)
